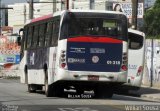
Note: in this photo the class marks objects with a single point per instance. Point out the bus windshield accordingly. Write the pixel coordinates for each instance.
(95, 25)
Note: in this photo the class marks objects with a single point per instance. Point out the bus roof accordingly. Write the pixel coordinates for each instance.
(42, 18)
(136, 32)
(95, 11)
(72, 10)
(46, 17)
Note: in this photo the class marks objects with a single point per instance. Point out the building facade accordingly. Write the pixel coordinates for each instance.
(149, 3)
(20, 13)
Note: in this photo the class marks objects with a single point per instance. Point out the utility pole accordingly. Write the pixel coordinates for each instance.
(67, 4)
(73, 4)
(25, 19)
(0, 18)
(134, 13)
(54, 6)
(31, 6)
(92, 4)
(151, 70)
(31, 9)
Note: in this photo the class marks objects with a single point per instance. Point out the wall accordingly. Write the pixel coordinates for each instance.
(149, 57)
(20, 13)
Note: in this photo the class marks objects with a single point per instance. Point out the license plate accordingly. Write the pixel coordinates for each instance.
(93, 78)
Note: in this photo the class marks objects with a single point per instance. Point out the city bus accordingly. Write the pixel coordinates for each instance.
(136, 52)
(75, 49)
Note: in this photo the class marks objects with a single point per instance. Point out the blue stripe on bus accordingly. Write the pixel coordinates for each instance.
(100, 57)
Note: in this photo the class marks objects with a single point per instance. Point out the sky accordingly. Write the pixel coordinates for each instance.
(14, 1)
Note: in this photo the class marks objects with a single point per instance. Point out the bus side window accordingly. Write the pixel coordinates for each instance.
(35, 36)
(42, 32)
(48, 34)
(29, 38)
(23, 42)
(55, 33)
(24, 38)
(135, 41)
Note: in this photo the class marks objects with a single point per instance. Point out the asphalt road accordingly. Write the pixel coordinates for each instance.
(14, 97)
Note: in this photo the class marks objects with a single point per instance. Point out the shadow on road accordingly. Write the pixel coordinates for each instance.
(90, 95)
(139, 93)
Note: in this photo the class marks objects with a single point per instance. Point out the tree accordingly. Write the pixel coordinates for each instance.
(152, 20)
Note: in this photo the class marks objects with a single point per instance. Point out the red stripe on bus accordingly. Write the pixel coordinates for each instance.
(42, 18)
(94, 39)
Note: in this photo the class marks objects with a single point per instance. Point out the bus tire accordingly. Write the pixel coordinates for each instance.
(31, 88)
(26, 74)
(109, 94)
(99, 92)
(58, 91)
(48, 88)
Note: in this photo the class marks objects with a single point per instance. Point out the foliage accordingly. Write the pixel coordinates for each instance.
(152, 37)
(152, 21)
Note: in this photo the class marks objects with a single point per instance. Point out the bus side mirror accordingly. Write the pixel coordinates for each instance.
(19, 40)
(19, 37)
(21, 30)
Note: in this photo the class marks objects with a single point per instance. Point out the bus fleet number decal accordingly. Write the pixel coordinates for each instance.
(113, 62)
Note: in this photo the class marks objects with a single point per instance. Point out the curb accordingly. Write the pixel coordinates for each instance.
(150, 97)
(9, 77)
(154, 87)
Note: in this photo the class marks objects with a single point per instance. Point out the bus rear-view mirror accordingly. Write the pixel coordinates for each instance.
(19, 40)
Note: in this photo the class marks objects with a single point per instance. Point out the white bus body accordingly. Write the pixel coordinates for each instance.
(136, 53)
(84, 62)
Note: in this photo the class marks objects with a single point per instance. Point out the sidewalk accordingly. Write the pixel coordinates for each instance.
(150, 93)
